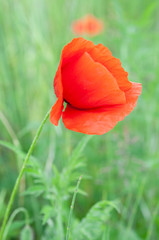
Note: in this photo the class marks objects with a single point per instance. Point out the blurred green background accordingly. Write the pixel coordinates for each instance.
(120, 168)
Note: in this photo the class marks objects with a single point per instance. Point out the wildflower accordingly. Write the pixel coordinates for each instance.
(95, 87)
(88, 25)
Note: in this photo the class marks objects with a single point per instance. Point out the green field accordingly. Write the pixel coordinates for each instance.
(118, 197)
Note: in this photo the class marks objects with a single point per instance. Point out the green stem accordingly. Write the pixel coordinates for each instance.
(20, 175)
(18, 210)
(150, 230)
(138, 198)
(72, 207)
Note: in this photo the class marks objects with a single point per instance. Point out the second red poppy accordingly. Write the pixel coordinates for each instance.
(87, 25)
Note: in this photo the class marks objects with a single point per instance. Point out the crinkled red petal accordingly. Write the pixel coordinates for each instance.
(76, 47)
(88, 84)
(101, 120)
(103, 55)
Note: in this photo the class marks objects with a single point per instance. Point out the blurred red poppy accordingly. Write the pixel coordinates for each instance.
(88, 25)
(95, 87)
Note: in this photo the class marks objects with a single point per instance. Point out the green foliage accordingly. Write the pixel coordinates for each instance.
(11, 147)
(93, 225)
(13, 226)
(26, 233)
(2, 203)
(125, 234)
(122, 164)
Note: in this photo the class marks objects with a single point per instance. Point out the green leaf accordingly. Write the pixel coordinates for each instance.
(80, 191)
(2, 203)
(146, 17)
(34, 190)
(80, 147)
(47, 212)
(14, 149)
(93, 225)
(14, 228)
(127, 234)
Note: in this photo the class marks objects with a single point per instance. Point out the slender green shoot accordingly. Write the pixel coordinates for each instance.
(71, 208)
(13, 215)
(150, 229)
(12, 197)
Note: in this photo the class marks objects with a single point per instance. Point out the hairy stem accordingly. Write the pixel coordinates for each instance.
(11, 200)
(72, 207)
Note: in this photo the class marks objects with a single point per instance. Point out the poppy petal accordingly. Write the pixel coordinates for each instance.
(88, 84)
(58, 82)
(102, 54)
(72, 50)
(100, 120)
(57, 108)
(78, 27)
(56, 111)
(93, 26)
(75, 48)
(87, 25)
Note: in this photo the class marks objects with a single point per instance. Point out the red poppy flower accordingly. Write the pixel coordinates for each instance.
(95, 87)
(89, 25)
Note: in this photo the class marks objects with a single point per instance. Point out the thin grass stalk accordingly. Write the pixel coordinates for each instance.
(71, 208)
(11, 200)
(150, 229)
(13, 215)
